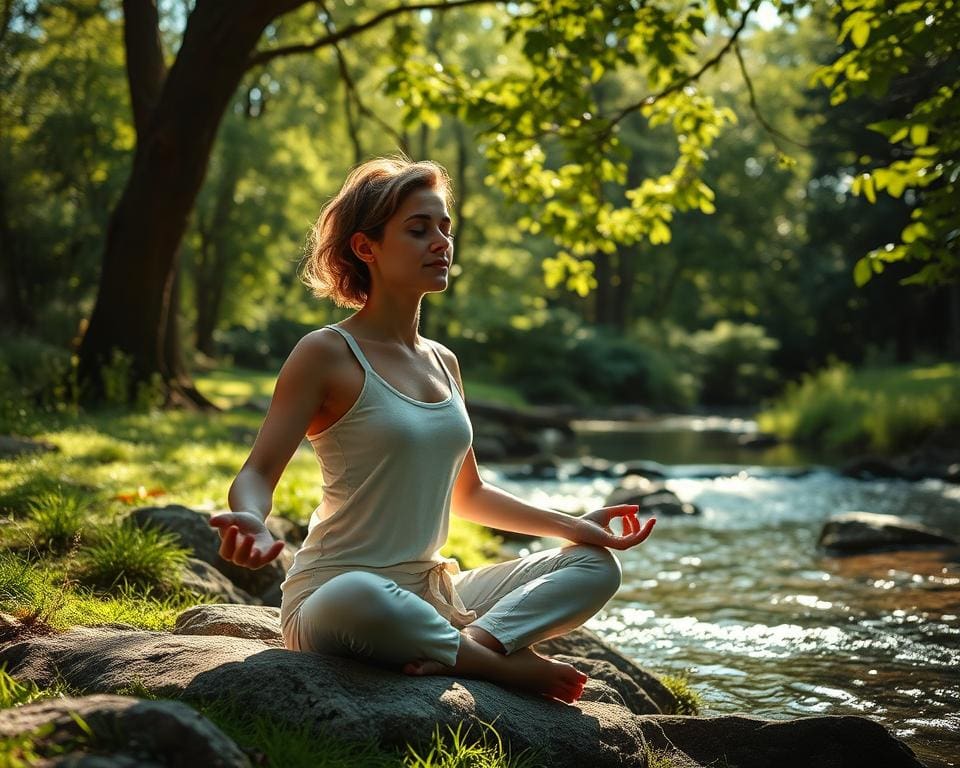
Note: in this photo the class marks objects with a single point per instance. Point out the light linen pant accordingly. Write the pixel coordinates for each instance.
(519, 602)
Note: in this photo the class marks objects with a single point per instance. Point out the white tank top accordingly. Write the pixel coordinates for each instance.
(389, 465)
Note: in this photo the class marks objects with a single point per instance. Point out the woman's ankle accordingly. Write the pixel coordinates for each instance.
(484, 638)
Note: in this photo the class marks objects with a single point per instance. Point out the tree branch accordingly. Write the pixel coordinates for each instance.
(689, 78)
(353, 94)
(755, 108)
(262, 57)
(146, 70)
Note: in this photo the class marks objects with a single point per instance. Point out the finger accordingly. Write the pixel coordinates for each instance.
(229, 542)
(622, 510)
(222, 520)
(645, 530)
(242, 553)
(274, 551)
(630, 524)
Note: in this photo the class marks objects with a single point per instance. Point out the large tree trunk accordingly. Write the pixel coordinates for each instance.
(133, 312)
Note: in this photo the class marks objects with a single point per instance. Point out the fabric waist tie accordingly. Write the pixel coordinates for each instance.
(448, 605)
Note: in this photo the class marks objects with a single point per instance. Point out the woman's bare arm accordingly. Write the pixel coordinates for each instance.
(298, 395)
(480, 502)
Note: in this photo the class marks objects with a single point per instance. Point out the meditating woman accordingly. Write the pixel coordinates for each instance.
(383, 408)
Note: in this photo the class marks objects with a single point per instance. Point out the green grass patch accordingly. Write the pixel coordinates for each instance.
(128, 555)
(44, 594)
(475, 389)
(885, 410)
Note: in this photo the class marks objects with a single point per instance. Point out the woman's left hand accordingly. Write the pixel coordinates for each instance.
(594, 527)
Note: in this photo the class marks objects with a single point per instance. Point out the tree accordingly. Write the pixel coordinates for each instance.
(564, 46)
(906, 52)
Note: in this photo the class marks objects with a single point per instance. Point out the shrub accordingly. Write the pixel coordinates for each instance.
(33, 374)
(733, 363)
(57, 518)
(126, 554)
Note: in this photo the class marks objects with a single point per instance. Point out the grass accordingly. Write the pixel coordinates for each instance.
(146, 557)
(57, 518)
(689, 700)
(883, 409)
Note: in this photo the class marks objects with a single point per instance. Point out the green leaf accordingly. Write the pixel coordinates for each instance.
(862, 272)
(919, 134)
(860, 33)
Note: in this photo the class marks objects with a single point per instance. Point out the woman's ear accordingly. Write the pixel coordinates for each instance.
(361, 245)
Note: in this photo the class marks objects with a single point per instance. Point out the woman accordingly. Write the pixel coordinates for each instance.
(383, 408)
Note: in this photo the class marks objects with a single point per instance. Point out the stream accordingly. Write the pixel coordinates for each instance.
(740, 600)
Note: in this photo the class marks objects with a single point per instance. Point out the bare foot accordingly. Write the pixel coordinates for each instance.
(524, 669)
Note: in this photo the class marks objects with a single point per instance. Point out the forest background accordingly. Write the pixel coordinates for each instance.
(671, 205)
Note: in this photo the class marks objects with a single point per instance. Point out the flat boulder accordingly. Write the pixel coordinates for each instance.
(858, 532)
(131, 731)
(360, 702)
(245, 621)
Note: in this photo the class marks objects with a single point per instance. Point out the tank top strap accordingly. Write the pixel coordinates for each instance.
(354, 347)
(451, 382)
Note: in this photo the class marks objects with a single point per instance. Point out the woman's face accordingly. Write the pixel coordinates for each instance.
(416, 252)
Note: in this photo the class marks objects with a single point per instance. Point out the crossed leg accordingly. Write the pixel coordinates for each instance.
(525, 600)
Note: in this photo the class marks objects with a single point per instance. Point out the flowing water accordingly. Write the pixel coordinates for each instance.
(741, 601)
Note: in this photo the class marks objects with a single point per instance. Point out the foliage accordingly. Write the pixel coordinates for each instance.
(57, 519)
(880, 409)
(459, 750)
(907, 50)
(144, 557)
(33, 374)
(733, 363)
(689, 701)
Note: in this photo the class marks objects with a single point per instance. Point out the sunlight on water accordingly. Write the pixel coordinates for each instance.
(741, 599)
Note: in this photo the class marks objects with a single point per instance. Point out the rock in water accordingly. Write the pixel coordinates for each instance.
(857, 532)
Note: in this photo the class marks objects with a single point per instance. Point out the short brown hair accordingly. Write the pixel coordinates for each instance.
(371, 194)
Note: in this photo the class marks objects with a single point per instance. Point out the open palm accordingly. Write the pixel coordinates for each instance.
(245, 540)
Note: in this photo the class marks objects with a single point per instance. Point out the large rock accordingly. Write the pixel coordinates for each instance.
(652, 497)
(854, 532)
(358, 701)
(252, 623)
(355, 701)
(750, 742)
(133, 733)
(194, 532)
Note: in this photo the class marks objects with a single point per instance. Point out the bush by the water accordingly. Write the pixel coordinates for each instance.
(882, 409)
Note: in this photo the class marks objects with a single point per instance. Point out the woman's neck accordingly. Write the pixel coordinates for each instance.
(390, 319)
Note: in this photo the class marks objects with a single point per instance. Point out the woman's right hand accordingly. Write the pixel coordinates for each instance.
(245, 539)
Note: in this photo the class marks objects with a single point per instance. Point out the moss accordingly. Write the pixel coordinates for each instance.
(689, 701)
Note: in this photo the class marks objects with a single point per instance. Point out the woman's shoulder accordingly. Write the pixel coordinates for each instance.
(320, 349)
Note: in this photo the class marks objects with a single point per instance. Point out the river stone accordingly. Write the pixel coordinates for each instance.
(583, 643)
(133, 731)
(831, 741)
(250, 622)
(867, 531)
(194, 532)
